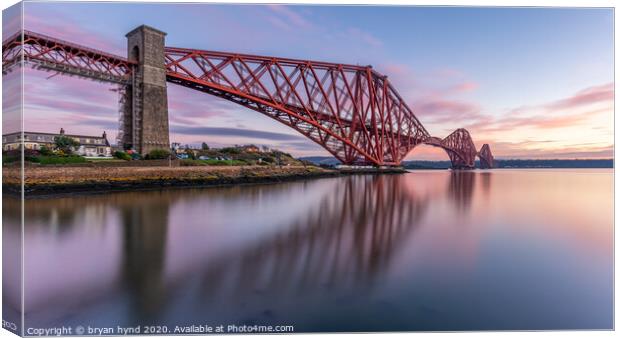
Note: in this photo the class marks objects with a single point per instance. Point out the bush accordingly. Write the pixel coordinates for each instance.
(65, 143)
(230, 150)
(45, 151)
(192, 163)
(15, 155)
(225, 162)
(59, 160)
(157, 154)
(122, 155)
(10, 158)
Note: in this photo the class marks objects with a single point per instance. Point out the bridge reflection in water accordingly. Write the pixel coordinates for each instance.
(406, 252)
(339, 246)
(343, 242)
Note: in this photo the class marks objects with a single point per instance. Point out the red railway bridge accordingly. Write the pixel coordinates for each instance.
(352, 111)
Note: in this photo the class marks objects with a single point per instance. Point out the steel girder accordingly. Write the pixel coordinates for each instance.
(57, 55)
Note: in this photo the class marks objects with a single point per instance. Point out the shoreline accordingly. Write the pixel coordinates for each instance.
(64, 181)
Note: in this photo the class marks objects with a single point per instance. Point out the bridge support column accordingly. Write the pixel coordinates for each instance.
(145, 115)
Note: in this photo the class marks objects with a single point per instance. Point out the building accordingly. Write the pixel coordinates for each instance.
(250, 148)
(90, 146)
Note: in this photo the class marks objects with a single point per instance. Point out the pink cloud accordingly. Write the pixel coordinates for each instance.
(449, 73)
(591, 95)
(466, 86)
(552, 115)
(62, 27)
(356, 33)
(545, 122)
(434, 103)
(439, 110)
(517, 150)
(11, 20)
(290, 16)
(11, 102)
(78, 105)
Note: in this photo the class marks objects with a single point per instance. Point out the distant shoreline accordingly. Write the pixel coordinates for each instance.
(499, 163)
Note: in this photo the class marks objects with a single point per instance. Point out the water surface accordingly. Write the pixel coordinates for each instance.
(427, 250)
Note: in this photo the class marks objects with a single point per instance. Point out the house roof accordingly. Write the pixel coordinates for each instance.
(102, 140)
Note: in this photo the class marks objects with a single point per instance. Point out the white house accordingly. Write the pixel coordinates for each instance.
(90, 146)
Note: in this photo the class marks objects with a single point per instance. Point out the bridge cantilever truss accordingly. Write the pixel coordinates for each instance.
(486, 158)
(57, 55)
(352, 111)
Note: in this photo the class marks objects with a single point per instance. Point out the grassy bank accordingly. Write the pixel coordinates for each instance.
(53, 180)
(58, 180)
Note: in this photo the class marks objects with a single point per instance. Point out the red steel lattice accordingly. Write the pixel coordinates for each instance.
(57, 55)
(352, 111)
(459, 146)
(486, 158)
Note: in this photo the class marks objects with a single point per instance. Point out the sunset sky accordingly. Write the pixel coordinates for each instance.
(533, 83)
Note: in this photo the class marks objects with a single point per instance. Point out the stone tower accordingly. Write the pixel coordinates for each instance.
(145, 116)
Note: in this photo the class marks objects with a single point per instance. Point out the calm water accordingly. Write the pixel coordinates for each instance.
(430, 250)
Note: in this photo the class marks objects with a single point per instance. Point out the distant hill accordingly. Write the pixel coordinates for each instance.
(604, 163)
(321, 160)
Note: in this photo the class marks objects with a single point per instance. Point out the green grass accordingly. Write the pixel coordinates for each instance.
(9, 158)
(104, 159)
(60, 159)
(212, 162)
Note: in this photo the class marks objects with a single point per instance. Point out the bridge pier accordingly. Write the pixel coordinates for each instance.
(144, 124)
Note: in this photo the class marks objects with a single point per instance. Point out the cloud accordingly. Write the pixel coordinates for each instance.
(288, 17)
(304, 145)
(517, 150)
(585, 97)
(107, 124)
(571, 111)
(358, 34)
(466, 86)
(564, 119)
(11, 102)
(61, 26)
(12, 20)
(235, 132)
(436, 96)
(278, 23)
(440, 110)
(190, 104)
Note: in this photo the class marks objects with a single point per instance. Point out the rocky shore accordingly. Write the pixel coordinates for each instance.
(42, 181)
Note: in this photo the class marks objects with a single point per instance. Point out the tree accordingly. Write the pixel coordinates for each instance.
(205, 146)
(65, 143)
(278, 155)
(158, 154)
(45, 151)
